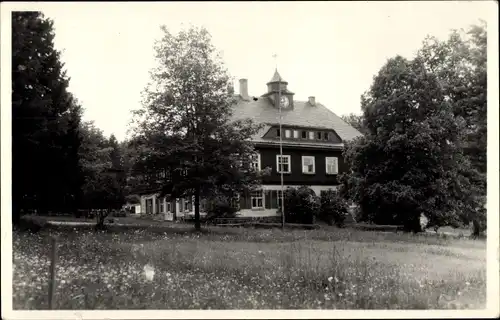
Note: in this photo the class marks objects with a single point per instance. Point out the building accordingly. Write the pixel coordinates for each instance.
(312, 141)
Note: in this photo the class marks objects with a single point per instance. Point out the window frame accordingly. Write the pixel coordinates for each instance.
(313, 164)
(289, 163)
(304, 134)
(296, 134)
(336, 165)
(288, 133)
(260, 197)
(318, 135)
(311, 135)
(258, 162)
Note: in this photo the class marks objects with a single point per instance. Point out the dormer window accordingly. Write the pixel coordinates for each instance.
(326, 136)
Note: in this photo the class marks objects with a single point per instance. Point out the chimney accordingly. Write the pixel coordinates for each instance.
(312, 101)
(244, 89)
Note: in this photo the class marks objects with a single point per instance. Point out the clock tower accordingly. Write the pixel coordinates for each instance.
(277, 90)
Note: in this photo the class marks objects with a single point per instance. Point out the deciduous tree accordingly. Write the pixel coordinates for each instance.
(184, 125)
(410, 161)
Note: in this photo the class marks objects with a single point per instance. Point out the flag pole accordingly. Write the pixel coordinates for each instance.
(281, 154)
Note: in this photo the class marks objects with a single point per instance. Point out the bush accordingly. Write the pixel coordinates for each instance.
(31, 223)
(220, 207)
(301, 205)
(333, 208)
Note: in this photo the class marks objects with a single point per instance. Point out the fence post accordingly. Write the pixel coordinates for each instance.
(52, 279)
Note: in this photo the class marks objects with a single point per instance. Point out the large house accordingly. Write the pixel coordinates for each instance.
(312, 142)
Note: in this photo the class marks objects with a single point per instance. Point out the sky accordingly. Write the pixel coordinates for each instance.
(330, 50)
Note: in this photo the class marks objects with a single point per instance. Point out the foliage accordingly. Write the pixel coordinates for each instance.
(355, 120)
(104, 176)
(133, 198)
(410, 161)
(220, 206)
(184, 127)
(333, 208)
(301, 205)
(418, 116)
(250, 269)
(460, 65)
(46, 175)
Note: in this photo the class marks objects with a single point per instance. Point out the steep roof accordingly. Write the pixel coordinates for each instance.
(277, 77)
(303, 114)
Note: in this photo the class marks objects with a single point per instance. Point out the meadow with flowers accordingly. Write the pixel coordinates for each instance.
(242, 268)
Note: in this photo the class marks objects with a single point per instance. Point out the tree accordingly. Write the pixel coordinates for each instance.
(45, 118)
(102, 165)
(355, 120)
(410, 161)
(459, 63)
(184, 126)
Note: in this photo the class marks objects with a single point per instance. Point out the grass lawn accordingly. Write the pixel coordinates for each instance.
(242, 268)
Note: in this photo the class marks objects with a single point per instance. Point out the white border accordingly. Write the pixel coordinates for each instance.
(6, 240)
(314, 164)
(336, 166)
(289, 163)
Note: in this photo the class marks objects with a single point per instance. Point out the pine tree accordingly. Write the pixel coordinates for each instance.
(45, 119)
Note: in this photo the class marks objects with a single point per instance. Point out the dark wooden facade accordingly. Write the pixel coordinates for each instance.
(296, 176)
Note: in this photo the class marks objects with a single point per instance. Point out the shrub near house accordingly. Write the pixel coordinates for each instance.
(333, 208)
(301, 205)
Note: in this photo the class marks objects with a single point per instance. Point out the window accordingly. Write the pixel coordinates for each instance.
(308, 164)
(296, 134)
(326, 136)
(257, 198)
(304, 134)
(283, 164)
(331, 165)
(288, 133)
(169, 206)
(278, 132)
(318, 134)
(311, 135)
(256, 162)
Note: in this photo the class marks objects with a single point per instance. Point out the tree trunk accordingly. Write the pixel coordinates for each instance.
(476, 229)
(197, 224)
